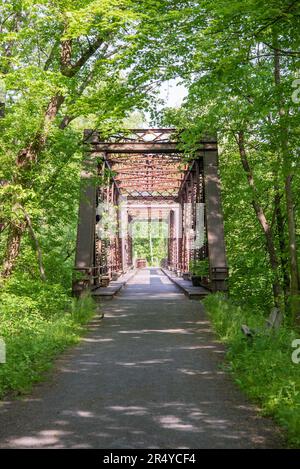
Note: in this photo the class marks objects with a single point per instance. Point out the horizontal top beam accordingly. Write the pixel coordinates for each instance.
(146, 163)
(142, 141)
(144, 198)
(146, 171)
(159, 206)
(148, 178)
(145, 147)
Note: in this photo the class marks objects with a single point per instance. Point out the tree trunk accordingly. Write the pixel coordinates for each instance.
(280, 229)
(36, 243)
(25, 158)
(12, 248)
(295, 299)
(261, 217)
(29, 155)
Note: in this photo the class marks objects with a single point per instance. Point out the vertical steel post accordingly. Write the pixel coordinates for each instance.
(129, 243)
(173, 241)
(85, 246)
(214, 222)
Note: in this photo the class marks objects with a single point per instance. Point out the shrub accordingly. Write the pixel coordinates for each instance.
(37, 323)
(262, 367)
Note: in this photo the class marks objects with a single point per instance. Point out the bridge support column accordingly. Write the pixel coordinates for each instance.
(214, 222)
(129, 243)
(97, 257)
(172, 242)
(198, 208)
(85, 246)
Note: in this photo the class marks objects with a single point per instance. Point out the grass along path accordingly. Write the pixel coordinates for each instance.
(35, 338)
(263, 367)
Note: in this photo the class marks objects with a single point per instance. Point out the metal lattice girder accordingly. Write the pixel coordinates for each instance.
(142, 141)
(146, 166)
(137, 178)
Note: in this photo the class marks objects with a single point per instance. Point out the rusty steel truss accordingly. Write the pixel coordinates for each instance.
(143, 174)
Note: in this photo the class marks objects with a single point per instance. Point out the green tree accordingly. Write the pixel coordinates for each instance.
(239, 61)
(59, 62)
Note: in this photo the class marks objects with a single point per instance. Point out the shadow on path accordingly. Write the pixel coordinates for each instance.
(147, 376)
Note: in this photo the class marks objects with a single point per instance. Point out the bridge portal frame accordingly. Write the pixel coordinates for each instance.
(98, 261)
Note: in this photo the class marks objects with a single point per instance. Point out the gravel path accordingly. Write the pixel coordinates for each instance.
(147, 376)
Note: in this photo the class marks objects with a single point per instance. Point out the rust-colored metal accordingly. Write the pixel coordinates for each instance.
(147, 169)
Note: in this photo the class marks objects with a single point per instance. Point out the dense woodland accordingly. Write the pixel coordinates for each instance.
(68, 65)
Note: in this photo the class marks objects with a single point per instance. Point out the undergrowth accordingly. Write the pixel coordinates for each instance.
(37, 322)
(261, 366)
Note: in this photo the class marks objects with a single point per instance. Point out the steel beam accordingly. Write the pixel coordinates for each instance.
(150, 157)
(84, 257)
(143, 147)
(214, 223)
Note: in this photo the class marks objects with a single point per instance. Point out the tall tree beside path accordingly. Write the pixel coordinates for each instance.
(58, 64)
